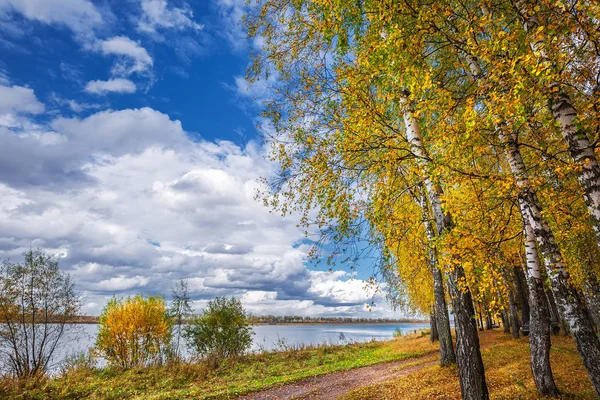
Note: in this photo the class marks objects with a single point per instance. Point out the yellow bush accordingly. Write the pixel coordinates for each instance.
(134, 332)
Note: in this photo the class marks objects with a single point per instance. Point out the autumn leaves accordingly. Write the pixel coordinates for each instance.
(477, 118)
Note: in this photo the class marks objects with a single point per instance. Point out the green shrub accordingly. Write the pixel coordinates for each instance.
(78, 361)
(221, 331)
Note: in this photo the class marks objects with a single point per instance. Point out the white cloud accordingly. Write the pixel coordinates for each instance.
(121, 283)
(157, 14)
(81, 107)
(118, 85)
(134, 58)
(19, 99)
(74, 105)
(17, 103)
(338, 287)
(81, 16)
(134, 204)
(258, 296)
(4, 77)
(231, 13)
(117, 133)
(258, 91)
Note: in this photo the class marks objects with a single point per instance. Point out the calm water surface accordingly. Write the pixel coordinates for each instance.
(271, 337)
(276, 337)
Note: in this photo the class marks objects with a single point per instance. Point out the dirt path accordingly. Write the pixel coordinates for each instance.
(336, 384)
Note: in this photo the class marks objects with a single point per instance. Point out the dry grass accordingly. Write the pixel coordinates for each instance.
(507, 371)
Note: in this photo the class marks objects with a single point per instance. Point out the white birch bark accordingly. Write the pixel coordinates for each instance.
(447, 355)
(539, 316)
(531, 254)
(539, 327)
(468, 355)
(566, 294)
(565, 114)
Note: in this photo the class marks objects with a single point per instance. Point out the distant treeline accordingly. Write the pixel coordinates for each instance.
(85, 319)
(289, 319)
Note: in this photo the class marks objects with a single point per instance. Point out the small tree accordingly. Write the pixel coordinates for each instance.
(37, 304)
(134, 332)
(179, 309)
(221, 330)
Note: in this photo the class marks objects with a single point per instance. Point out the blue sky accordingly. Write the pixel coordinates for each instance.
(192, 75)
(130, 152)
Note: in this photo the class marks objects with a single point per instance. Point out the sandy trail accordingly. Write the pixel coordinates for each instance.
(333, 385)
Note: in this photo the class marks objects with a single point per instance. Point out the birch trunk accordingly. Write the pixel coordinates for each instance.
(565, 114)
(433, 332)
(523, 294)
(514, 318)
(488, 319)
(539, 323)
(506, 322)
(504, 312)
(567, 296)
(593, 299)
(468, 355)
(512, 315)
(442, 320)
(555, 314)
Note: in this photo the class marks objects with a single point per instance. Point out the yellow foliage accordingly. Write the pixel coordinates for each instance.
(134, 332)
(353, 162)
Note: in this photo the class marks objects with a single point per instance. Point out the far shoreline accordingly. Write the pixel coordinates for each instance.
(343, 323)
(94, 321)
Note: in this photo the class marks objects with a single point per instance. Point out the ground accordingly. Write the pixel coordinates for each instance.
(508, 375)
(399, 369)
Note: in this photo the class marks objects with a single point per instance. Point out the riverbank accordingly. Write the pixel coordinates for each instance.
(506, 361)
(233, 378)
(258, 321)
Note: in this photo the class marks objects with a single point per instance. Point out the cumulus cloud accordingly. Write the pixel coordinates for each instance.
(118, 85)
(118, 133)
(134, 58)
(120, 283)
(156, 14)
(339, 288)
(17, 104)
(56, 155)
(80, 16)
(19, 99)
(131, 203)
(85, 20)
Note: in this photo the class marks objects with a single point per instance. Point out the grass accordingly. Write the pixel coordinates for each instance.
(506, 361)
(507, 372)
(231, 379)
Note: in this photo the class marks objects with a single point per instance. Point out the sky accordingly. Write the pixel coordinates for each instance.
(128, 149)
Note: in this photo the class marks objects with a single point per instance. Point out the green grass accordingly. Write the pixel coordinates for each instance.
(231, 379)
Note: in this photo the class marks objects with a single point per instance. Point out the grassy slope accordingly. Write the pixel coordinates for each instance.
(506, 361)
(196, 381)
(507, 371)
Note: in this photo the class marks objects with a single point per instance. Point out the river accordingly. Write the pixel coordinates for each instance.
(272, 337)
(278, 337)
